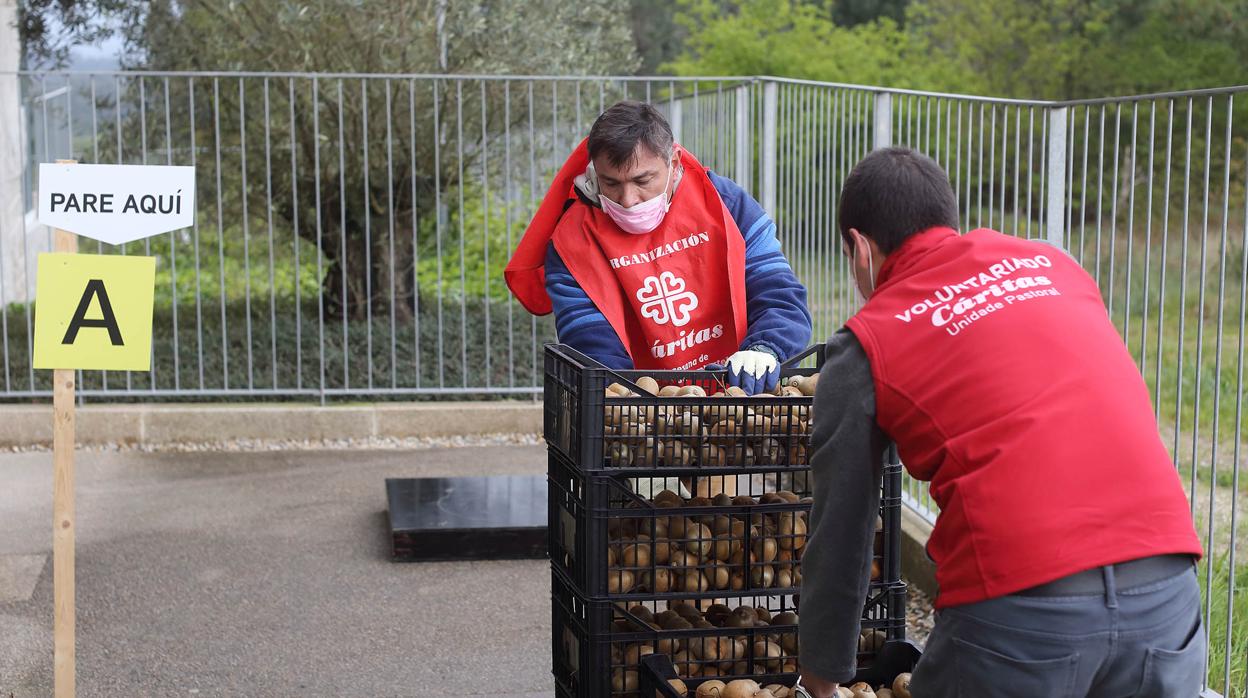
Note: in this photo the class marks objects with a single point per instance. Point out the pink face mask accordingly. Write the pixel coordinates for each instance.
(641, 218)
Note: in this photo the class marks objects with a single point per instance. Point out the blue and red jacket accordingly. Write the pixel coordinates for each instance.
(776, 314)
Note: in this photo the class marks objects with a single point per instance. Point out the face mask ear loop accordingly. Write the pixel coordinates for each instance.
(871, 266)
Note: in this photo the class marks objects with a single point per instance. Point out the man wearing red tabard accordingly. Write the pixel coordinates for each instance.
(1064, 547)
(651, 261)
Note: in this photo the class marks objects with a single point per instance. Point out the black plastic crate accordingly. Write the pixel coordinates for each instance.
(597, 645)
(612, 543)
(894, 658)
(597, 430)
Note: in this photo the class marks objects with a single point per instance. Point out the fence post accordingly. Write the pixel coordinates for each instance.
(771, 93)
(677, 118)
(743, 139)
(1054, 211)
(883, 131)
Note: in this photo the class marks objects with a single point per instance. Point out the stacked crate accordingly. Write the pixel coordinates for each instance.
(677, 524)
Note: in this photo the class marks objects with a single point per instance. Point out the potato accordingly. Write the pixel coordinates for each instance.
(876, 572)
(642, 612)
(699, 540)
(636, 555)
(669, 391)
(784, 560)
(797, 454)
(764, 547)
(678, 526)
(691, 391)
(631, 431)
(788, 642)
(618, 389)
(633, 655)
(741, 688)
(646, 452)
(620, 581)
(790, 531)
(623, 681)
(786, 391)
(669, 496)
(677, 453)
(724, 434)
(871, 641)
(712, 456)
(710, 689)
(679, 686)
(861, 690)
(784, 618)
(844, 692)
(686, 664)
(719, 577)
(756, 425)
(695, 582)
(762, 576)
(784, 579)
(648, 384)
(901, 685)
(619, 455)
(884, 693)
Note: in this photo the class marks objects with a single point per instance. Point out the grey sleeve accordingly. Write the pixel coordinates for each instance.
(847, 455)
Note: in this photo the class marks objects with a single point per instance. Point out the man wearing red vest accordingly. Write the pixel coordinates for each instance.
(651, 261)
(1064, 547)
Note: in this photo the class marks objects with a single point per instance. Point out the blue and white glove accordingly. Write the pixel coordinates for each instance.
(755, 370)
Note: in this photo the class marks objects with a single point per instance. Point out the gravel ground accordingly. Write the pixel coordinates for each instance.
(919, 616)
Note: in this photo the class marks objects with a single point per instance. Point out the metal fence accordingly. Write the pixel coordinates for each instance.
(352, 231)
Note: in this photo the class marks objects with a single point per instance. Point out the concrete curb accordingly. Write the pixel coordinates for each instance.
(31, 425)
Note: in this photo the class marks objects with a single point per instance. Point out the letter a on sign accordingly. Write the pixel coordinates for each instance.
(94, 312)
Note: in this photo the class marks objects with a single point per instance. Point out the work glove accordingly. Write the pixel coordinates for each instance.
(756, 370)
(647, 487)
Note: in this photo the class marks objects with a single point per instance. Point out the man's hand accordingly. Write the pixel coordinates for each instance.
(755, 370)
(817, 687)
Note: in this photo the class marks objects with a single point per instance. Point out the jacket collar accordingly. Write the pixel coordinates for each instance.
(913, 249)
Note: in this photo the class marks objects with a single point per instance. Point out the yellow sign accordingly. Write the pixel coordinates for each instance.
(94, 312)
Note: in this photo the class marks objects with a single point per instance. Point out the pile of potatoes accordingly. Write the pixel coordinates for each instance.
(774, 644)
(699, 554)
(748, 688)
(706, 553)
(715, 655)
(706, 434)
(900, 688)
(740, 688)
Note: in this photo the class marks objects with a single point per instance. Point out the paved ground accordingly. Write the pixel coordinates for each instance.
(263, 574)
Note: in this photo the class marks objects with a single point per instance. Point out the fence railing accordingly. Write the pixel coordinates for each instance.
(352, 231)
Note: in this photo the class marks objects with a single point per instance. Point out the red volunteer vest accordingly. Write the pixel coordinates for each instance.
(1003, 382)
(675, 296)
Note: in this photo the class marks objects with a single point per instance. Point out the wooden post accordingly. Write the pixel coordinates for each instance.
(63, 632)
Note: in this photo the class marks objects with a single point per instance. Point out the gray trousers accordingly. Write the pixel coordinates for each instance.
(1143, 642)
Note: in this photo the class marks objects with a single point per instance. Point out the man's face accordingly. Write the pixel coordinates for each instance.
(640, 179)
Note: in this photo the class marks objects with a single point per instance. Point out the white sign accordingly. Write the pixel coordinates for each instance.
(116, 203)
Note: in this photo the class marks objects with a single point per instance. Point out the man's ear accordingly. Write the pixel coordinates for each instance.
(859, 246)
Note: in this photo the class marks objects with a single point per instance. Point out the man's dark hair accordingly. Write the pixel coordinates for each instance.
(616, 133)
(894, 193)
